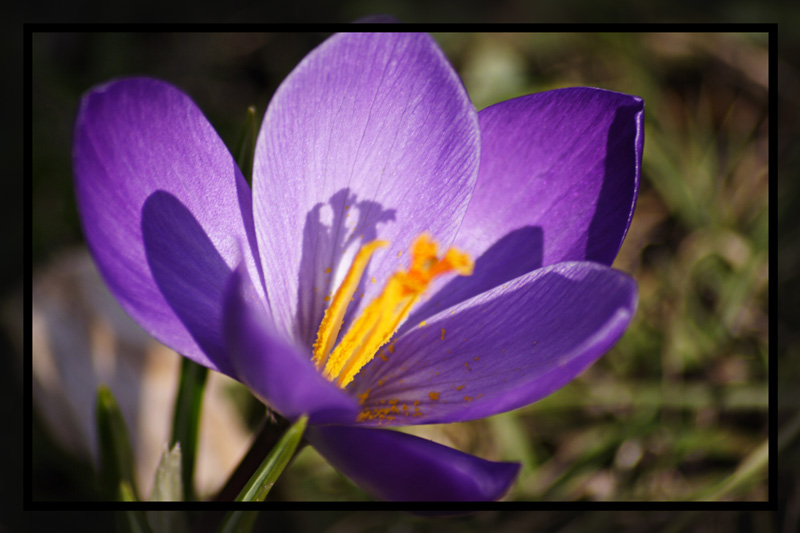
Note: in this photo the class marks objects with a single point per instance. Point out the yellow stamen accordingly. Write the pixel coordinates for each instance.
(332, 321)
(381, 318)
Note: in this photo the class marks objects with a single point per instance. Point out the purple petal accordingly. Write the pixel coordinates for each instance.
(372, 135)
(565, 161)
(398, 467)
(280, 374)
(165, 211)
(501, 350)
(558, 181)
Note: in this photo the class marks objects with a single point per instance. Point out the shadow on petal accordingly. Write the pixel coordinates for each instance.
(330, 236)
(614, 209)
(189, 271)
(515, 254)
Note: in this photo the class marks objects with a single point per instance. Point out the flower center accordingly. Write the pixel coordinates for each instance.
(377, 323)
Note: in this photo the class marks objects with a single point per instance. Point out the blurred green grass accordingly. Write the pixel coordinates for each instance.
(680, 403)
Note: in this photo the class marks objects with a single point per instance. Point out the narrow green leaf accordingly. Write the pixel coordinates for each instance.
(116, 452)
(132, 521)
(513, 441)
(126, 492)
(267, 474)
(186, 420)
(753, 466)
(261, 483)
(246, 147)
(168, 486)
(239, 522)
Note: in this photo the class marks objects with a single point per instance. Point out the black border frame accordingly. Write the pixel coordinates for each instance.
(424, 507)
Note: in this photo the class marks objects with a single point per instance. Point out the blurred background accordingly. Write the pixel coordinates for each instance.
(677, 411)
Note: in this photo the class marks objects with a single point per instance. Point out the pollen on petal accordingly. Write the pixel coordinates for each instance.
(433, 396)
(379, 320)
(363, 397)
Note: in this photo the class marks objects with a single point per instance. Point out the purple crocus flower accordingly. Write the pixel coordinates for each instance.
(369, 154)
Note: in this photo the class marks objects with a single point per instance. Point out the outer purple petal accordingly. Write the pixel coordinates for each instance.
(558, 181)
(564, 161)
(501, 350)
(395, 466)
(277, 372)
(165, 211)
(372, 135)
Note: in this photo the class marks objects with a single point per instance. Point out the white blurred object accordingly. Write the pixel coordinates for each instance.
(81, 339)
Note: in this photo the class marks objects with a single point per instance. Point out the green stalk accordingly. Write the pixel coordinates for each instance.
(186, 420)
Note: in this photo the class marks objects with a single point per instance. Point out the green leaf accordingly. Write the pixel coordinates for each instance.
(168, 486)
(132, 521)
(116, 453)
(186, 420)
(258, 487)
(752, 467)
(267, 474)
(126, 492)
(246, 147)
(239, 522)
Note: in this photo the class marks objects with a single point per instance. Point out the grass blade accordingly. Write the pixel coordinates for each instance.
(246, 147)
(116, 452)
(186, 420)
(258, 487)
(265, 477)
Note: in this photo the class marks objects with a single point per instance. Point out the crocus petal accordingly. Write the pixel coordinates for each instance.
(565, 161)
(372, 135)
(558, 181)
(398, 467)
(501, 350)
(274, 370)
(165, 211)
